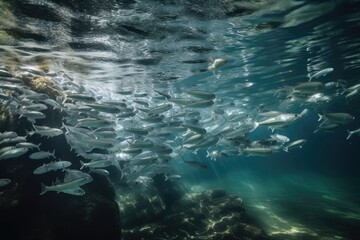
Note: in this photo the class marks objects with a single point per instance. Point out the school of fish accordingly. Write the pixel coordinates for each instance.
(141, 133)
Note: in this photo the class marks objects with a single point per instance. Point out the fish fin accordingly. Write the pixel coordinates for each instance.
(349, 134)
(316, 130)
(43, 189)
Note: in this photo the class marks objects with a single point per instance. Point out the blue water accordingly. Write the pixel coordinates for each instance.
(166, 45)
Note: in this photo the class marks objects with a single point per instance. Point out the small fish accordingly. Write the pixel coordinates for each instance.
(280, 138)
(339, 118)
(52, 103)
(96, 164)
(216, 63)
(66, 187)
(42, 155)
(104, 108)
(45, 131)
(96, 143)
(80, 97)
(202, 94)
(13, 153)
(28, 145)
(257, 151)
(37, 96)
(93, 123)
(172, 177)
(4, 182)
(353, 93)
(32, 115)
(321, 73)
(52, 166)
(350, 133)
(137, 131)
(327, 127)
(297, 143)
(309, 87)
(8, 135)
(159, 109)
(195, 128)
(5, 149)
(13, 140)
(200, 104)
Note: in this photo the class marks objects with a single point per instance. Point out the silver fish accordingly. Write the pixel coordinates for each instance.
(52, 166)
(339, 118)
(297, 143)
(42, 155)
(350, 133)
(321, 73)
(202, 94)
(4, 181)
(13, 153)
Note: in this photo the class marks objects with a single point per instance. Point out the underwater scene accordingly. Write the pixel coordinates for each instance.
(164, 119)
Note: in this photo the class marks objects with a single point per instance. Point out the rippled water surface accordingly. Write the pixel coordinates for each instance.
(152, 48)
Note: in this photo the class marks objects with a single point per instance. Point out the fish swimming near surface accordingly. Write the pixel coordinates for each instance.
(202, 94)
(216, 63)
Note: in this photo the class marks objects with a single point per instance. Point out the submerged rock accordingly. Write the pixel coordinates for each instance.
(53, 216)
(204, 215)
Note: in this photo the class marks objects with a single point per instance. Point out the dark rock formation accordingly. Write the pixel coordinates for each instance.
(53, 216)
(204, 215)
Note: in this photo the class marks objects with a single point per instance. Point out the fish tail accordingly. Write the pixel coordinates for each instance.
(320, 117)
(38, 146)
(166, 177)
(53, 153)
(82, 164)
(207, 153)
(350, 133)
(43, 189)
(304, 112)
(286, 149)
(29, 133)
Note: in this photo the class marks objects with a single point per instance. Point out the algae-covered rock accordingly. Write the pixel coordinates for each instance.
(42, 84)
